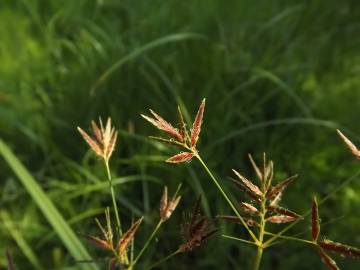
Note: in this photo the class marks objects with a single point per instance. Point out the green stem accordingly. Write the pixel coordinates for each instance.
(292, 238)
(260, 247)
(258, 257)
(118, 223)
(238, 239)
(216, 182)
(147, 242)
(164, 259)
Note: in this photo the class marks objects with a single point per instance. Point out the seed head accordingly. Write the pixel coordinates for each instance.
(105, 139)
(167, 207)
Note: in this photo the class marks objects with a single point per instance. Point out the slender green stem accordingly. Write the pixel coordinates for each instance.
(260, 247)
(258, 257)
(238, 239)
(147, 242)
(164, 259)
(216, 182)
(118, 223)
(291, 238)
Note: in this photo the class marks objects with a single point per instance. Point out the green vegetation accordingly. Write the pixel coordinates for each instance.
(278, 76)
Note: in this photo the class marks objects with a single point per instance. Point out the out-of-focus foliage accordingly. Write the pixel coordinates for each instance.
(278, 76)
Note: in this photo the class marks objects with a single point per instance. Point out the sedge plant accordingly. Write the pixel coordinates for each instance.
(265, 194)
(117, 244)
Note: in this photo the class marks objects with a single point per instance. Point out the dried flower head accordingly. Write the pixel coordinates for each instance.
(180, 137)
(126, 239)
(196, 230)
(106, 242)
(167, 207)
(264, 191)
(354, 150)
(103, 143)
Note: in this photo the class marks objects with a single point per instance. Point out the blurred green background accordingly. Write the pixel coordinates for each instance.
(279, 77)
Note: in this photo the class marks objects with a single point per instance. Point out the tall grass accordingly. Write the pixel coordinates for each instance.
(277, 73)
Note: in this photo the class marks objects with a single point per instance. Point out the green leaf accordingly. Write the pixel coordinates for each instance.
(56, 220)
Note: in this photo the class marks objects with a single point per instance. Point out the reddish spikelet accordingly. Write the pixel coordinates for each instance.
(249, 185)
(93, 145)
(163, 125)
(354, 150)
(96, 131)
(127, 237)
(244, 189)
(99, 242)
(327, 260)
(105, 139)
(168, 207)
(283, 211)
(249, 208)
(281, 219)
(196, 231)
(341, 249)
(279, 188)
(196, 128)
(315, 221)
(10, 261)
(179, 158)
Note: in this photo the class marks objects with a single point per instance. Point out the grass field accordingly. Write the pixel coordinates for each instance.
(278, 77)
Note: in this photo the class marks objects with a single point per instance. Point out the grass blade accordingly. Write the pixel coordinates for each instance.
(60, 226)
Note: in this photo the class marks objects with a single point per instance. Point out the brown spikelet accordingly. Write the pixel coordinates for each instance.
(10, 261)
(127, 237)
(93, 145)
(354, 150)
(195, 231)
(281, 219)
(249, 208)
(327, 260)
(168, 207)
(315, 220)
(341, 249)
(179, 158)
(96, 131)
(105, 139)
(248, 184)
(244, 189)
(163, 125)
(196, 128)
(99, 242)
(283, 211)
(280, 187)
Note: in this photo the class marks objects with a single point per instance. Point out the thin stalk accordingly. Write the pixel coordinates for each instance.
(216, 182)
(337, 189)
(260, 247)
(118, 223)
(164, 259)
(238, 239)
(147, 242)
(292, 238)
